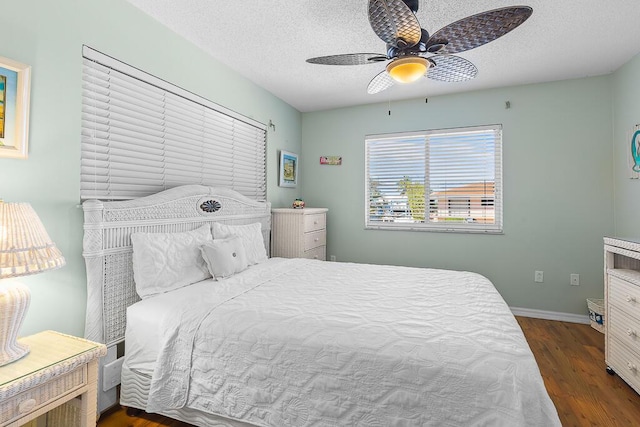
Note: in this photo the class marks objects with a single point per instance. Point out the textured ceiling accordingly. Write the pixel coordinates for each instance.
(268, 41)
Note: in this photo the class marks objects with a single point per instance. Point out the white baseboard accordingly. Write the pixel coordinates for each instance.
(550, 315)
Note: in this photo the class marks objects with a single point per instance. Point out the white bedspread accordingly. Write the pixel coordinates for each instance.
(309, 343)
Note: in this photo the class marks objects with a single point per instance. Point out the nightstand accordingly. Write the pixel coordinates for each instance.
(58, 369)
(299, 233)
(622, 308)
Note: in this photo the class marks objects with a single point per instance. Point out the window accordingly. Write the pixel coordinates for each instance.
(458, 208)
(487, 202)
(459, 171)
(142, 135)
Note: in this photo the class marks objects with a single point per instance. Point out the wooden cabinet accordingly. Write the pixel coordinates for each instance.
(622, 308)
(59, 378)
(299, 233)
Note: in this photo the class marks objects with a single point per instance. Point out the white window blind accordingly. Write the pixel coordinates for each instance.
(142, 135)
(438, 180)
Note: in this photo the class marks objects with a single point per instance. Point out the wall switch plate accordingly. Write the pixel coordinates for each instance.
(539, 276)
(575, 280)
(332, 258)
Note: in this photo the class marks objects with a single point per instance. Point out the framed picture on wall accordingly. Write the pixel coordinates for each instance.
(634, 153)
(288, 169)
(15, 82)
(331, 160)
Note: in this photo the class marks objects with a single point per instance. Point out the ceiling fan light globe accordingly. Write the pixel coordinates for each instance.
(408, 70)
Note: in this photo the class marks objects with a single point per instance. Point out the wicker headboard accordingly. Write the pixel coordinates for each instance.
(107, 245)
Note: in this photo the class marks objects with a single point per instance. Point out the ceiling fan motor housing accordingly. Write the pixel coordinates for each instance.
(412, 4)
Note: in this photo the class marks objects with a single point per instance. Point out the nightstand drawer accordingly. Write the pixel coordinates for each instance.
(315, 239)
(316, 253)
(624, 295)
(314, 222)
(624, 362)
(31, 400)
(624, 327)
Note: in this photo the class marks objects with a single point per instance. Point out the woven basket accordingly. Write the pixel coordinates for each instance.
(596, 313)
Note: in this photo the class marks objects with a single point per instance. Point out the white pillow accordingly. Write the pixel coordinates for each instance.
(225, 257)
(166, 261)
(251, 236)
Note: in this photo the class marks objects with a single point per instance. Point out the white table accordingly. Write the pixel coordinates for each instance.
(59, 377)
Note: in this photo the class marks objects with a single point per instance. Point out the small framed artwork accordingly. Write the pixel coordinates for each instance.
(634, 154)
(331, 160)
(288, 169)
(15, 83)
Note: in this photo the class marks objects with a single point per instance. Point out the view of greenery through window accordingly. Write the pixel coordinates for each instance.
(457, 170)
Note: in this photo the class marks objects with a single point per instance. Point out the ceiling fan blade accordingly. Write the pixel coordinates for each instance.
(380, 82)
(394, 23)
(348, 59)
(476, 30)
(449, 68)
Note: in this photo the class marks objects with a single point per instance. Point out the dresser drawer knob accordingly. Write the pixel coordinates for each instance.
(631, 298)
(27, 406)
(631, 332)
(631, 366)
(315, 257)
(315, 222)
(316, 239)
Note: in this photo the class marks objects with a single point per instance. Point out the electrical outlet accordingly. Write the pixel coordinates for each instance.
(575, 279)
(111, 374)
(332, 258)
(539, 276)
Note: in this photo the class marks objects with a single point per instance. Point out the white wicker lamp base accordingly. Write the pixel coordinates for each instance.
(14, 302)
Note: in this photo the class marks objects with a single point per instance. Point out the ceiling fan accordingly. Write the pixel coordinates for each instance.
(413, 53)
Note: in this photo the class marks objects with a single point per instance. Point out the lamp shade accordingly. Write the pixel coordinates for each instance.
(408, 69)
(25, 246)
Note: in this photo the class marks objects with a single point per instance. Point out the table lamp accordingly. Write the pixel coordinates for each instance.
(25, 248)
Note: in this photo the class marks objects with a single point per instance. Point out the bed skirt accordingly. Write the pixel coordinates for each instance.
(135, 393)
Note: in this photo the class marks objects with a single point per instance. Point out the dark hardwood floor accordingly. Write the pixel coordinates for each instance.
(571, 360)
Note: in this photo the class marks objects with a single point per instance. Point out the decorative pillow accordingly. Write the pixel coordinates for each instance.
(166, 261)
(251, 236)
(225, 257)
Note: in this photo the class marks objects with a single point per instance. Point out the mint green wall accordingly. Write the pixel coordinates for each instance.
(557, 153)
(557, 188)
(48, 35)
(626, 104)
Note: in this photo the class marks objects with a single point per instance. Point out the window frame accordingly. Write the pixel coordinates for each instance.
(444, 226)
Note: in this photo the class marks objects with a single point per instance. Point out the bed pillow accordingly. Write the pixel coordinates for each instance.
(225, 257)
(251, 236)
(166, 261)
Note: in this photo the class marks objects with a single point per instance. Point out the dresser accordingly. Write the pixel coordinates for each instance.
(299, 233)
(55, 384)
(622, 308)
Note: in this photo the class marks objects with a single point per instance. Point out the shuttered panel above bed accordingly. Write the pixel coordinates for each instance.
(142, 135)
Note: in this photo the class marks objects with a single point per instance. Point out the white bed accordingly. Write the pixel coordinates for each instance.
(293, 342)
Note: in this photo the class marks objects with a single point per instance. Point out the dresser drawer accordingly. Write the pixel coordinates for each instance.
(314, 222)
(624, 295)
(624, 327)
(317, 253)
(624, 362)
(315, 239)
(29, 401)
